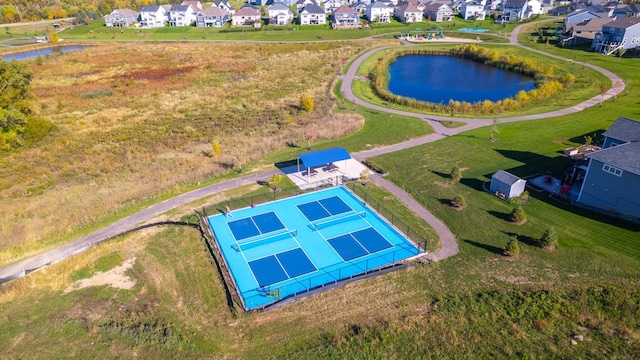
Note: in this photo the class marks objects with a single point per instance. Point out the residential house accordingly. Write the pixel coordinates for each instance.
(379, 12)
(153, 16)
(612, 178)
(181, 15)
(330, 5)
(632, 10)
(621, 33)
(583, 32)
(196, 5)
(438, 12)
(260, 2)
(121, 18)
(212, 17)
(407, 12)
(580, 16)
(279, 14)
(507, 184)
(224, 5)
(514, 10)
(345, 16)
(560, 10)
(473, 10)
(312, 14)
(246, 16)
(360, 7)
(302, 3)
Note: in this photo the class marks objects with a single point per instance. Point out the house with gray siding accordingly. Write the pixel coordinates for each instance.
(212, 17)
(612, 178)
(438, 12)
(506, 183)
(582, 15)
(621, 33)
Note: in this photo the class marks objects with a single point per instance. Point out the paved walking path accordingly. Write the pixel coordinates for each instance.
(449, 245)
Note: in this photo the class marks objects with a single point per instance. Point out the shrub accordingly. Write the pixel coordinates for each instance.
(459, 202)
(513, 248)
(374, 166)
(455, 174)
(549, 239)
(518, 215)
(306, 103)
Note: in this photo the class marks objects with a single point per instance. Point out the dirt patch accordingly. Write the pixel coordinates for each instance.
(115, 277)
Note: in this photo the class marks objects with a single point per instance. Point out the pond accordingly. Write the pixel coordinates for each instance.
(438, 79)
(41, 52)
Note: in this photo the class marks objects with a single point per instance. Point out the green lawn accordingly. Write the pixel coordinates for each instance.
(97, 31)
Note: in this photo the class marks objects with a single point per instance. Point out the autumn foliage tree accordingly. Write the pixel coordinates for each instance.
(306, 103)
(15, 111)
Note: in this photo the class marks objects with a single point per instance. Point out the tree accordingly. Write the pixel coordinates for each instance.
(513, 248)
(493, 130)
(518, 215)
(364, 176)
(549, 239)
(275, 181)
(53, 37)
(306, 103)
(15, 110)
(217, 148)
(455, 174)
(459, 202)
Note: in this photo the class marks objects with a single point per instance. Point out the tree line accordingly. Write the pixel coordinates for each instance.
(83, 10)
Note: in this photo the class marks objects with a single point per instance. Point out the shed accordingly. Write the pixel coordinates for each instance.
(507, 184)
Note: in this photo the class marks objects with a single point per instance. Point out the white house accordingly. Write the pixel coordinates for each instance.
(225, 5)
(153, 16)
(379, 12)
(330, 5)
(196, 5)
(312, 14)
(279, 14)
(438, 12)
(181, 15)
(407, 12)
(121, 18)
(473, 10)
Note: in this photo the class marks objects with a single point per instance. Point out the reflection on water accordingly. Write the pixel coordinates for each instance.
(41, 52)
(438, 79)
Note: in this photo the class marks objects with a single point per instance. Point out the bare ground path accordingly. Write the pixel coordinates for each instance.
(449, 245)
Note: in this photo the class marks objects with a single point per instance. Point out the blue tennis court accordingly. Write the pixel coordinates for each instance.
(255, 225)
(290, 246)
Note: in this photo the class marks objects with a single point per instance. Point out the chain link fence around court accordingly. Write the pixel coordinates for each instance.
(239, 203)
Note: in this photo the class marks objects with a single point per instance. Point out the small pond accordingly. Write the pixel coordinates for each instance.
(438, 79)
(41, 52)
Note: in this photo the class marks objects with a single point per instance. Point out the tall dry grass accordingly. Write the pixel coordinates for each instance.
(168, 103)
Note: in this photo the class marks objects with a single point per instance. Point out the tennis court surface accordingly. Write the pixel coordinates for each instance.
(287, 247)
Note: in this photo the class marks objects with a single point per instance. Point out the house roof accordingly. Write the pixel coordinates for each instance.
(277, 6)
(246, 11)
(213, 11)
(408, 8)
(505, 177)
(624, 22)
(178, 8)
(379, 5)
(194, 4)
(312, 9)
(434, 6)
(324, 157)
(150, 8)
(345, 10)
(127, 12)
(625, 156)
(594, 24)
(624, 129)
(515, 3)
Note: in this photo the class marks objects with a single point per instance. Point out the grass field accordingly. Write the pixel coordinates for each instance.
(477, 304)
(130, 133)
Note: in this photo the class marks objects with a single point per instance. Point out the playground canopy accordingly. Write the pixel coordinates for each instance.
(323, 157)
